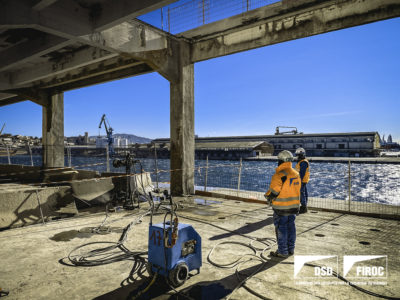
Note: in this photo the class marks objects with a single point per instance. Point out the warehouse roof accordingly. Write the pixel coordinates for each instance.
(229, 145)
(263, 137)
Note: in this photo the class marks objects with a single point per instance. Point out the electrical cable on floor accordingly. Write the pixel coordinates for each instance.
(85, 260)
(145, 289)
(264, 260)
(268, 242)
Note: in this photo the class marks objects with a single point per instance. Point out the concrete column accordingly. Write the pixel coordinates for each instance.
(53, 131)
(182, 126)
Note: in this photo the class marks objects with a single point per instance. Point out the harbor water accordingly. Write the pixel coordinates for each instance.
(375, 183)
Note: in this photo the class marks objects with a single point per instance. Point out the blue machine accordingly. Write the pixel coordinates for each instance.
(176, 262)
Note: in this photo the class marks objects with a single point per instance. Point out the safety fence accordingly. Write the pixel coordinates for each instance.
(188, 14)
(356, 188)
(351, 187)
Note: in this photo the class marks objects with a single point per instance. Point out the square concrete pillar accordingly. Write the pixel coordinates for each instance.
(182, 132)
(53, 131)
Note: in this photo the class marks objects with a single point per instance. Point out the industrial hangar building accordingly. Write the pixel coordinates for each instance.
(348, 144)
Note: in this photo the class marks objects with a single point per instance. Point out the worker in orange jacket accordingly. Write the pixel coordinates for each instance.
(303, 167)
(284, 195)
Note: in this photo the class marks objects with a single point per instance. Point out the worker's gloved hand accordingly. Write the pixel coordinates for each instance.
(270, 197)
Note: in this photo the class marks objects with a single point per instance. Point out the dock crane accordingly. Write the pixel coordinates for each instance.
(1, 131)
(109, 132)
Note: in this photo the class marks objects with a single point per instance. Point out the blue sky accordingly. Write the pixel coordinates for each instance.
(342, 81)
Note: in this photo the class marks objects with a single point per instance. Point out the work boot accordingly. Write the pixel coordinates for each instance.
(277, 254)
(303, 209)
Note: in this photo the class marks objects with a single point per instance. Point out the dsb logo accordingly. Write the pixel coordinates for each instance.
(315, 266)
(323, 271)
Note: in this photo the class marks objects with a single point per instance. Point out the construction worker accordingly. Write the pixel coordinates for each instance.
(303, 167)
(284, 195)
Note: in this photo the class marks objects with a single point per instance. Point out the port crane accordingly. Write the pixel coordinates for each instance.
(109, 132)
(293, 131)
(1, 131)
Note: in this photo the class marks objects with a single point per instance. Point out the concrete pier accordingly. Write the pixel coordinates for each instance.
(34, 263)
(53, 131)
(182, 127)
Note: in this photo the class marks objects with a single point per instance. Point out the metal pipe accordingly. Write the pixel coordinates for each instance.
(349, 175)
(8, 155)
(69, 156)
(107, 159)
(206, 175)
(156, 164)
(30, 153)
(239, 175)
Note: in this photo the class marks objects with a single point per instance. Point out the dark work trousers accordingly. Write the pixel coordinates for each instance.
(303, 194)
(285, 231)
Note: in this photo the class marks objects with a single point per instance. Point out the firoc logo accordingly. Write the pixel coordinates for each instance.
(305, 266)
(365, 266)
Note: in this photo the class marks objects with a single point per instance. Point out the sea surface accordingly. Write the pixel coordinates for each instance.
(379, 183)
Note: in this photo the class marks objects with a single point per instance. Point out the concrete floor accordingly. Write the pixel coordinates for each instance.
(34, 265)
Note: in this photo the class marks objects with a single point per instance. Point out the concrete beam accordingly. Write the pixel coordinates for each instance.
(182, 125)
(107, 76)
(12, 100)
(130, 37)
(68, 19)
(29, 50)
(67, 63)
(53, 132)
(284, 22)
(65, 18)
(134, 39)
(90, 71)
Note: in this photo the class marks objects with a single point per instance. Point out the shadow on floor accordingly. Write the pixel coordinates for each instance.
(249, 227)
(204, 290)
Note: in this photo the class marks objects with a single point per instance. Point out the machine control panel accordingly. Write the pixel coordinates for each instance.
(188, 247)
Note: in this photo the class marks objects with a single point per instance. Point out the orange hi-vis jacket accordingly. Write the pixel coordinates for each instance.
(306, 177)
(285, 185)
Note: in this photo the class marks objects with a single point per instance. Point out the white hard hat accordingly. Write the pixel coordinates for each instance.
(300, 151)
(285, 156)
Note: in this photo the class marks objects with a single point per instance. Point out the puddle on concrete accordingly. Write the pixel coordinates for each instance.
(202, 212)
(83, 233)
(207, 292)
(200, 201)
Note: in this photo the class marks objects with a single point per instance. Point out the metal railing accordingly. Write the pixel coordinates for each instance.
(350, 187)
(188, 14)
(355, 188)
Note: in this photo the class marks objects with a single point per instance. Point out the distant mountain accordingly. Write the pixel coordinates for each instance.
(132, 139)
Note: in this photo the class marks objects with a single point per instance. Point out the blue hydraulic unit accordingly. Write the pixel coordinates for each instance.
(174, 250)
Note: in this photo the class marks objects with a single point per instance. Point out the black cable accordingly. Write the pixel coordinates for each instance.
(266, 260)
